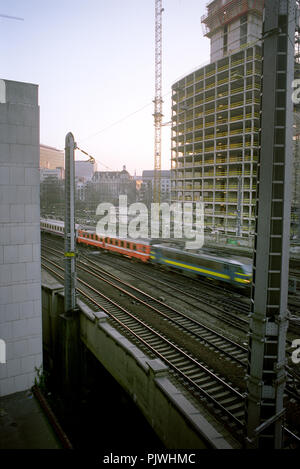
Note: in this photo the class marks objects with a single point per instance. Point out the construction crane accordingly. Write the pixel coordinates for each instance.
(158, 102)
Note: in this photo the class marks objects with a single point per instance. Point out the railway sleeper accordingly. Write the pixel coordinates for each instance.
(211, 386)
(187, 368)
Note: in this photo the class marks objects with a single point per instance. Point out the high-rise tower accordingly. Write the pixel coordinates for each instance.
(215, 120)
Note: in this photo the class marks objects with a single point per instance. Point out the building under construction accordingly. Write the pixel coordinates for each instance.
(216, 120)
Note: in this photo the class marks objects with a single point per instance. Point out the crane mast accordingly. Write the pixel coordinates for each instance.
(158, 100)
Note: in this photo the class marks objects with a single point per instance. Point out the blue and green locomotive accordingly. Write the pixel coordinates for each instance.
(234, 271)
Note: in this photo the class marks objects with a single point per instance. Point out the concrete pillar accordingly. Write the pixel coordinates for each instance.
(20, 271)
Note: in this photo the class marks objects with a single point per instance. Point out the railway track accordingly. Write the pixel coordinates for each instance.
(222, 308)
(215, 341)
(202, 333)
(225, 311)
(177, 363)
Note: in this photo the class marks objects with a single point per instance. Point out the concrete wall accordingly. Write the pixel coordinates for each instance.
(254, 32)
(20, 277)
(216, 46)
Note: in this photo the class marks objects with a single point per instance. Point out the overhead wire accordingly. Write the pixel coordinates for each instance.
(120, 120)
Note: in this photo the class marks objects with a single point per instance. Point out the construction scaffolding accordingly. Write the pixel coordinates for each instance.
(215, 144)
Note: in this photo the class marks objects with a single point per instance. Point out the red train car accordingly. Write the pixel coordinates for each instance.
(138, 249)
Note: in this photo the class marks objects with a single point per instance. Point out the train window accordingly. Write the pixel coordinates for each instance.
(134, 247)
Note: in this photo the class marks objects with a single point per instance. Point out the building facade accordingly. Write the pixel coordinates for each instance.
(57, 173)
(231, 25)
(107, 186)
(146, 191)
(51, 158)
(84, 170)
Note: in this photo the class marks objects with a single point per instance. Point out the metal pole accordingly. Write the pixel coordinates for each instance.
(268, 324)
(239, 207)
(70, 241)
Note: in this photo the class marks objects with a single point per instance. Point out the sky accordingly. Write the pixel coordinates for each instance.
(94, 63)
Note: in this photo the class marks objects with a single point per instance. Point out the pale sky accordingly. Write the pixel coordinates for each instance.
(94, 63)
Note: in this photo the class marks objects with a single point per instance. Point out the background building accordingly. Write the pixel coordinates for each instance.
(20, 270)
(58, 173)
(51, 158)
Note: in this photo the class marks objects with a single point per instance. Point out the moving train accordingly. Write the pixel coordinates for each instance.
(235, 271)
